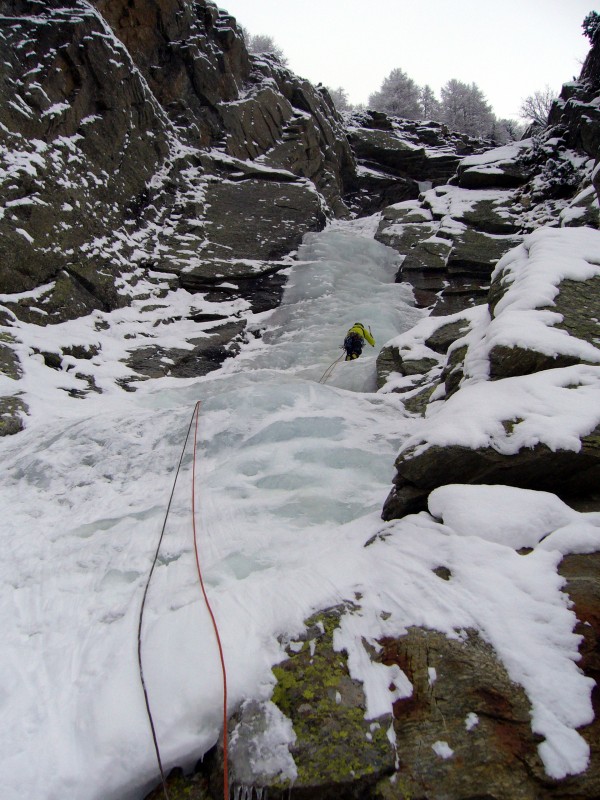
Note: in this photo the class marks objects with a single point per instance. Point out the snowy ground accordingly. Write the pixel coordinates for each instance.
(291, 480)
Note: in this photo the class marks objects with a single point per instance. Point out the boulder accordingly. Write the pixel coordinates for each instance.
(389, 361)
(337, 750)
(474, 252)
(458, 294)
(446, 334)
(330, 750)
(13, 410)
(203, 356)
(533, 358)
(464, 733)
(10, 364)
(577, 303)
(403, 237)
(566, 473)
(428, 255)
(493, 216)
(499, 168)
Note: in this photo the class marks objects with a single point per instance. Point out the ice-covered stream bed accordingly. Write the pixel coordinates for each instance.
(292, 475)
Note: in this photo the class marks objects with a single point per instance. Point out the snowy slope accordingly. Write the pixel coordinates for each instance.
(292, 474)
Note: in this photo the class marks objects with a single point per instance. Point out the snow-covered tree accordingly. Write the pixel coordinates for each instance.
(262, 43)
(536, 107)
(506, 130)
(398, 95)
(340, 98)
(465, 109)
(430, 105)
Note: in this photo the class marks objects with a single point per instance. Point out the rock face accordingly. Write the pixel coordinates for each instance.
(145, 155)
(161, 85)
(451, 370)
(143, 150)
(335, 750)
(461, 694)
(397, 157)
(472, 703)
(452, 236)
(500, 351)
(451, 239)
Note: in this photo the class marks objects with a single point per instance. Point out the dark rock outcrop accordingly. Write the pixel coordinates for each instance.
(145, 150)
(497, 196)
(397, 157)
(583, 588)
(337, 752)
(115, 116)
(463, 732)
(471, 705)
(512, 343)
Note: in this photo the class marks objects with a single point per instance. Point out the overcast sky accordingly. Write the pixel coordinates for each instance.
(509, 48)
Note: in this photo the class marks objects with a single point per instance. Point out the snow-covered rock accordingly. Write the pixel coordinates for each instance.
(518, 397)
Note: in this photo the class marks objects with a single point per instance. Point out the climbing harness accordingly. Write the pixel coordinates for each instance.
(329, 371)
(193, 421)
(353, 345)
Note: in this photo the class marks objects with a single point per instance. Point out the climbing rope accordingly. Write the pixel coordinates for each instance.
(194, 418)
(210, 611)
(329, 371)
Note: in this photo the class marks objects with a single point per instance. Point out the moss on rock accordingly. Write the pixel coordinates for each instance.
(337, 749)
(12, 411)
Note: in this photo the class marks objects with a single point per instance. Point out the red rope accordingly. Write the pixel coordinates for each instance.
(143, 607)
(210, 611)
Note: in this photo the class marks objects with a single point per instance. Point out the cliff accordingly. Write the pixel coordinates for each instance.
(144, 150)
(157, 184)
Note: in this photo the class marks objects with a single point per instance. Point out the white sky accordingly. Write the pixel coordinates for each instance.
(509, 48)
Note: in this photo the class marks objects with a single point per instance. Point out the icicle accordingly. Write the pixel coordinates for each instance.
(243, 792)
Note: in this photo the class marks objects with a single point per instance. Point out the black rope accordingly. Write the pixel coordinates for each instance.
(139, 634)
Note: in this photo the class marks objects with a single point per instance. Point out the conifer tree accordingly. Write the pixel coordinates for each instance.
(340, 98)
(430, 105)
(399, 95)
(465, 109)
(262, 43)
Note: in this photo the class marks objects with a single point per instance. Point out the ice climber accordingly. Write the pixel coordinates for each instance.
(355, 339)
